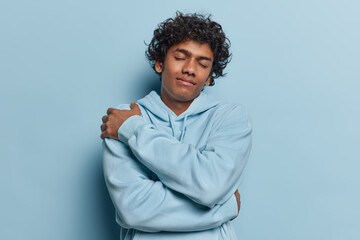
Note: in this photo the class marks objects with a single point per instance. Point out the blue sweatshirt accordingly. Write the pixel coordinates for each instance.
(174, 177)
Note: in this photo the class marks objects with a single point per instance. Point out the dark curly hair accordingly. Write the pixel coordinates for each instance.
(196, 27)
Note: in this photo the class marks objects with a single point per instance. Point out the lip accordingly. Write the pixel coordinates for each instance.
(186, 82)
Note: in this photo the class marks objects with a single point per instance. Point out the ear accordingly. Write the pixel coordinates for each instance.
(158, 66)
(207, 82)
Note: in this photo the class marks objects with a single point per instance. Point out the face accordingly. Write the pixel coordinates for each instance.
(185, 71)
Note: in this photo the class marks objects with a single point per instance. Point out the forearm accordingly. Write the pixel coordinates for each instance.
(209, 175)
(148, 205)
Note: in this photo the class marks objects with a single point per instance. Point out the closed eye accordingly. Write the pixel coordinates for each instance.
(179, 58)
(203, 65)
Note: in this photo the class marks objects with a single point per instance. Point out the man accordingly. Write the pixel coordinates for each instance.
(172, 163)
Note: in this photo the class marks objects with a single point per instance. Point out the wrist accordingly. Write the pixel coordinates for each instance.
(129, 126)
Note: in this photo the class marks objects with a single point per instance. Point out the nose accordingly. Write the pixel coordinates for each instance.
(189, 67)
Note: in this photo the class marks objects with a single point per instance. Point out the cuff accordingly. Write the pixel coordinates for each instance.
(229, 209)
(128, 128)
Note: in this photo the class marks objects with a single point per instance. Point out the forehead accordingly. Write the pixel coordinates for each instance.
(193, 48)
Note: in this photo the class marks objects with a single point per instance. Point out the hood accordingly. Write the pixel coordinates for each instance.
(153, 103)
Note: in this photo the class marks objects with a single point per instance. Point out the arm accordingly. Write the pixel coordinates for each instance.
(210, 174)
(148, 205)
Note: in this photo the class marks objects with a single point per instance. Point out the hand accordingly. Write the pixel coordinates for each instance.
(115, 118)
(237, 195)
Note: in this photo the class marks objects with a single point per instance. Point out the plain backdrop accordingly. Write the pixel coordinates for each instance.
(295, 66)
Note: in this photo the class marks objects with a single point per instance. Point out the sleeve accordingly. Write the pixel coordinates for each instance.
(210, 174)
(148, 205)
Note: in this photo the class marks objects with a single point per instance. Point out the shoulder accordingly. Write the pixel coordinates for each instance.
(234, 115)
(124, 106)
(222, 108)
(233, 109)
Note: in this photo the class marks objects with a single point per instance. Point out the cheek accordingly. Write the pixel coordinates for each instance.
(174, 66)
(205, 76)
(166, 75)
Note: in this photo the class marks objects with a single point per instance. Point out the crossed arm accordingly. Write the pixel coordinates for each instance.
(149, 205)
(211, 190)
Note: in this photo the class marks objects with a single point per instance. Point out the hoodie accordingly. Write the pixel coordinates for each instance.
(174, 177)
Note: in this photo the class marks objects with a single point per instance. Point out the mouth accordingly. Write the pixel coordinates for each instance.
(186, 82)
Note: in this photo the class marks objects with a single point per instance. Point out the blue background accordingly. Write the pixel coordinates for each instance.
(295, 65)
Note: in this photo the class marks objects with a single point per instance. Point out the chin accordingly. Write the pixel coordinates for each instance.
(186, 98)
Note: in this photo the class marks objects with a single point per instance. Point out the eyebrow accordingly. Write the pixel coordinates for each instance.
(188, 53)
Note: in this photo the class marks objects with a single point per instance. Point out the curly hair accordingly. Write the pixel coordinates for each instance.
(196, 27)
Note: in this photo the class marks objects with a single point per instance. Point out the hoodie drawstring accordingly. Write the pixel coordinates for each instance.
(172, 126)
(171, 121)
(183, 129)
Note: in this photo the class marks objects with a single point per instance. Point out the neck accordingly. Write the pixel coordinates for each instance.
(177, 107)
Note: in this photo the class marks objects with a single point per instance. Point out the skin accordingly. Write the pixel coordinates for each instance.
(184, 72)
